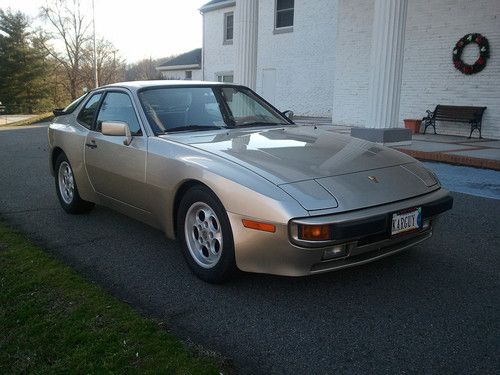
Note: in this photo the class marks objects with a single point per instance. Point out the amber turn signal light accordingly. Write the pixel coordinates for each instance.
(314, 232)
(257, 225)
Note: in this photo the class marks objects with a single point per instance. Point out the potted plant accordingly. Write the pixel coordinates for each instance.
(413, 125)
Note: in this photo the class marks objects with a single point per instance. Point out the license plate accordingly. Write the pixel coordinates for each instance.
(406, 221)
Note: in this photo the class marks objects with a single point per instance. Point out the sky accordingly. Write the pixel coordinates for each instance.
(139, 29)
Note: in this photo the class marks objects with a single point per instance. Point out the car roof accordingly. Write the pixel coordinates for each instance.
(142, 84)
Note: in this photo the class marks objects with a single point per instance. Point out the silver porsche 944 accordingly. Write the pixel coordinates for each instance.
(236, 181)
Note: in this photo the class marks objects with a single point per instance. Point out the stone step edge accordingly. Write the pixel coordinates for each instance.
(442, 157)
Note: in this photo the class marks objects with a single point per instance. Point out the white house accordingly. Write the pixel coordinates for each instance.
(366, 63)
(185, 66)
(294, 66)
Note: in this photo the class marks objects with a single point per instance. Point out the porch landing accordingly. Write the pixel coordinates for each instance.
(474, 152)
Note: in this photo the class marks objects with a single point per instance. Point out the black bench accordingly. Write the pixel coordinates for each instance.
(454, 113)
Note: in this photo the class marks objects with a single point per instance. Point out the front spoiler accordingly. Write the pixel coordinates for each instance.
(378, 251)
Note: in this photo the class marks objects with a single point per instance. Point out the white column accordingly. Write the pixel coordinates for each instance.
(246, 16)
(386, 63)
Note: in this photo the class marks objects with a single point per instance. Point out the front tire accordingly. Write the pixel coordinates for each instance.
(66, 188)
(205, 235)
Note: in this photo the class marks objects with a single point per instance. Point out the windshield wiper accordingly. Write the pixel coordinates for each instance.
(192, 127)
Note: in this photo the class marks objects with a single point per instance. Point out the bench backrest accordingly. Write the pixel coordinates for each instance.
(458, 113)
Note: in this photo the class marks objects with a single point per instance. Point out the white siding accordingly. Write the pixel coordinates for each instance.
(217, 57)
(181, 74)
(429, 77)
(304, 60)
(352, 63)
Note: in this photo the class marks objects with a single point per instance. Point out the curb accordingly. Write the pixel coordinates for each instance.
(30, 121)
(453, 159)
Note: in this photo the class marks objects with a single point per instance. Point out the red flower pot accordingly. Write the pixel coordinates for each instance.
(413, 125)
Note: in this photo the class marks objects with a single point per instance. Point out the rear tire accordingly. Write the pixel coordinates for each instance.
(66, 188)
(205, 234)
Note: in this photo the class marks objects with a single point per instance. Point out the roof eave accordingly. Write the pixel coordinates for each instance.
(223, 4)
(178, 67)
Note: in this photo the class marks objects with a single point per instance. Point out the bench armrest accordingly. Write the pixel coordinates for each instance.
(430, 114)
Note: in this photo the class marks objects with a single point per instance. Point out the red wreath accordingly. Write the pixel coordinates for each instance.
(484, 53)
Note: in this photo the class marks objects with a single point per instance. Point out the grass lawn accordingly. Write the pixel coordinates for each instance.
(53, 321)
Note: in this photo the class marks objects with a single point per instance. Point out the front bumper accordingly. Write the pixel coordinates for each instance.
(368, 231)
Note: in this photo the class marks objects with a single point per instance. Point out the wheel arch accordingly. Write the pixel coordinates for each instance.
(53, 157)
(181, 191)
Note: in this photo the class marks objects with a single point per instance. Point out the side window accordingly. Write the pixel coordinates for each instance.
(87, 114)
(117, 106)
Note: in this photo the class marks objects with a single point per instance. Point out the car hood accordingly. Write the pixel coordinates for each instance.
(294, 153)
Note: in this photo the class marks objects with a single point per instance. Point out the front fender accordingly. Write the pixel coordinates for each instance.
(240, 190)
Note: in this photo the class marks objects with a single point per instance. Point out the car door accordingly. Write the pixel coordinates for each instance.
(117, 170)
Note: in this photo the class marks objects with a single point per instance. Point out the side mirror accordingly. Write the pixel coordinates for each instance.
(117, 128)
(58, 112)
(288, 114)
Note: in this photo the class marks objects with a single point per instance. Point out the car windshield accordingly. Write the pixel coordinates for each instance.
(170, 109)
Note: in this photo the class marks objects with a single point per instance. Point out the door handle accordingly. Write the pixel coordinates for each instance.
(91, 144)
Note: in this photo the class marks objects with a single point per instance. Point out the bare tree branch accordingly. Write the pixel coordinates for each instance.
(71, 28)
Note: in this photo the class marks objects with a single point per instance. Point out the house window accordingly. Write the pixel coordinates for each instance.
(284, 13)
(189, 74)
(228, 27)
(225, 77)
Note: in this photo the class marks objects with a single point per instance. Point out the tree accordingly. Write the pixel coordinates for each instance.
(71, 27)
(143, 70)
(57, 85)
(110, 67)
(23, 68)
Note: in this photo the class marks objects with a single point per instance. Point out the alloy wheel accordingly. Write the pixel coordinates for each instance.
(203, 234)
(66, 182)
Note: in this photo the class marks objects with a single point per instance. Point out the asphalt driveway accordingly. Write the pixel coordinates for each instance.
(432, 309)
